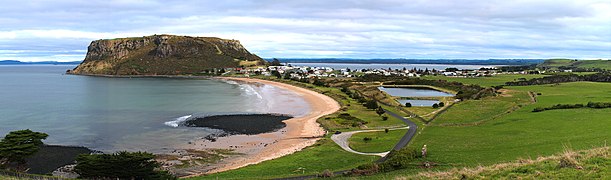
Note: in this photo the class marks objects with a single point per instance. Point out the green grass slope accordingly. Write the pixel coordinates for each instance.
(523, 133)
(555, 63)
(589, 164)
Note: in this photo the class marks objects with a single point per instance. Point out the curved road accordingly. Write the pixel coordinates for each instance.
(342, 141)
(411, 132)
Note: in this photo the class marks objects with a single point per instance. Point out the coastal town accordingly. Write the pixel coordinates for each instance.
(289, 71)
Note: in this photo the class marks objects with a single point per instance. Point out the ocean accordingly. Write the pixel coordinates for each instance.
(133, 114)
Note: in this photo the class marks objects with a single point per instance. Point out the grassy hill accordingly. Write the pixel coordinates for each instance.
(588, 164)
(568, 63)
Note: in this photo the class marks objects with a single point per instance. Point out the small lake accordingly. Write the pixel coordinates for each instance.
(418, 102)
(415, 92)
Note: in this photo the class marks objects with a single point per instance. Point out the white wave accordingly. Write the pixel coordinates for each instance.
(250, 91)
(231, 82)
(176, 122)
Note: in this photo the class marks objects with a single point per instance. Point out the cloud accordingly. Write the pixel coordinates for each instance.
(344, 28)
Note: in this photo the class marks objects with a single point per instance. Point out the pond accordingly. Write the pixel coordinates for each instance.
(418, 102)
(414, 92)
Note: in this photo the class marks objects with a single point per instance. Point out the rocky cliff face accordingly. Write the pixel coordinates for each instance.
(163, 55)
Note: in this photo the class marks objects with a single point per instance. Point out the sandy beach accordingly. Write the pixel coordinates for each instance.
(300, 132)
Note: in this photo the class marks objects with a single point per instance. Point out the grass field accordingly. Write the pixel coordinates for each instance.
(589, 164)
(486, 81)
(312, 160)
(523, 134)
(555, 63)
(380, 140)
(476, 111)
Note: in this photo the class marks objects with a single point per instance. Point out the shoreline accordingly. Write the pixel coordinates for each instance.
(299, 133)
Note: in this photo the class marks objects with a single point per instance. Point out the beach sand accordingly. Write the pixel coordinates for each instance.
(300, 132)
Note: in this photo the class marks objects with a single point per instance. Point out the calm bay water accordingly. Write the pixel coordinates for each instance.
(111, 114)
(418, 102)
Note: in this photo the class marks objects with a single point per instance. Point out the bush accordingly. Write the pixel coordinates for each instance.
(386, 130)
(326, 173)
(366, 169)
(559, 106)
(371, 104)
(598, 105)
(441, 104)
(384, 118)
(407, 104)
(367, 139)
(435, 105)
(120, 165)
(380, 111)
(400, 159)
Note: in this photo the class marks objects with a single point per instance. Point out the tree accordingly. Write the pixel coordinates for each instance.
(120, 165)
(18, 145)
(407, 104)
(386, 130)
(277, 74)
(275, 62)
(441, 104)
(380, 111)
(435, 105)
(371, 104)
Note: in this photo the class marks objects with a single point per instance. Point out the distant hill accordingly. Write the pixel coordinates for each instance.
(15, 62)
(164, 55)
(574, 64)
(417, 61)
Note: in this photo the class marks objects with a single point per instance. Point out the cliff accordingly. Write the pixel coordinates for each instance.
(163, 55)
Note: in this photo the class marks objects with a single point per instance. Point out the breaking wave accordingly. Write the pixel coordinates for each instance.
(178, 121)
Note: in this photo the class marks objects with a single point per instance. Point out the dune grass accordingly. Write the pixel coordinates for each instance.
(380, 140)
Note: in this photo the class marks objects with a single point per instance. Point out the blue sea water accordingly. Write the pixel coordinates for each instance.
(111, 114)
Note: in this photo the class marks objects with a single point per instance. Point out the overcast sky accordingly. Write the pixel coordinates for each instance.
(61, 30)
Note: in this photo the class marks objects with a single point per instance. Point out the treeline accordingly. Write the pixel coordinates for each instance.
(598, 77)
(518, 68)
(596, 105)
(463, 91)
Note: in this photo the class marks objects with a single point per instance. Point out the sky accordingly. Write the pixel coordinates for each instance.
(61, 30)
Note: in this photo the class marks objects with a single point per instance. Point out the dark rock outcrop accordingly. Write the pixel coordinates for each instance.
(163, 55)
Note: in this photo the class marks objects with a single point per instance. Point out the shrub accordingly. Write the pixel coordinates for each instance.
(120, 165)
(366, 169)
(400, 159)
(386, 130)
(380, 111)
(326, 173)
(367, 139)
(441, 104)
(435, 105)
(407, 104)
(371, 104)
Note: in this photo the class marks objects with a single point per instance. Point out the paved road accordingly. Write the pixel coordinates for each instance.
(342, 141)
(411, 132)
